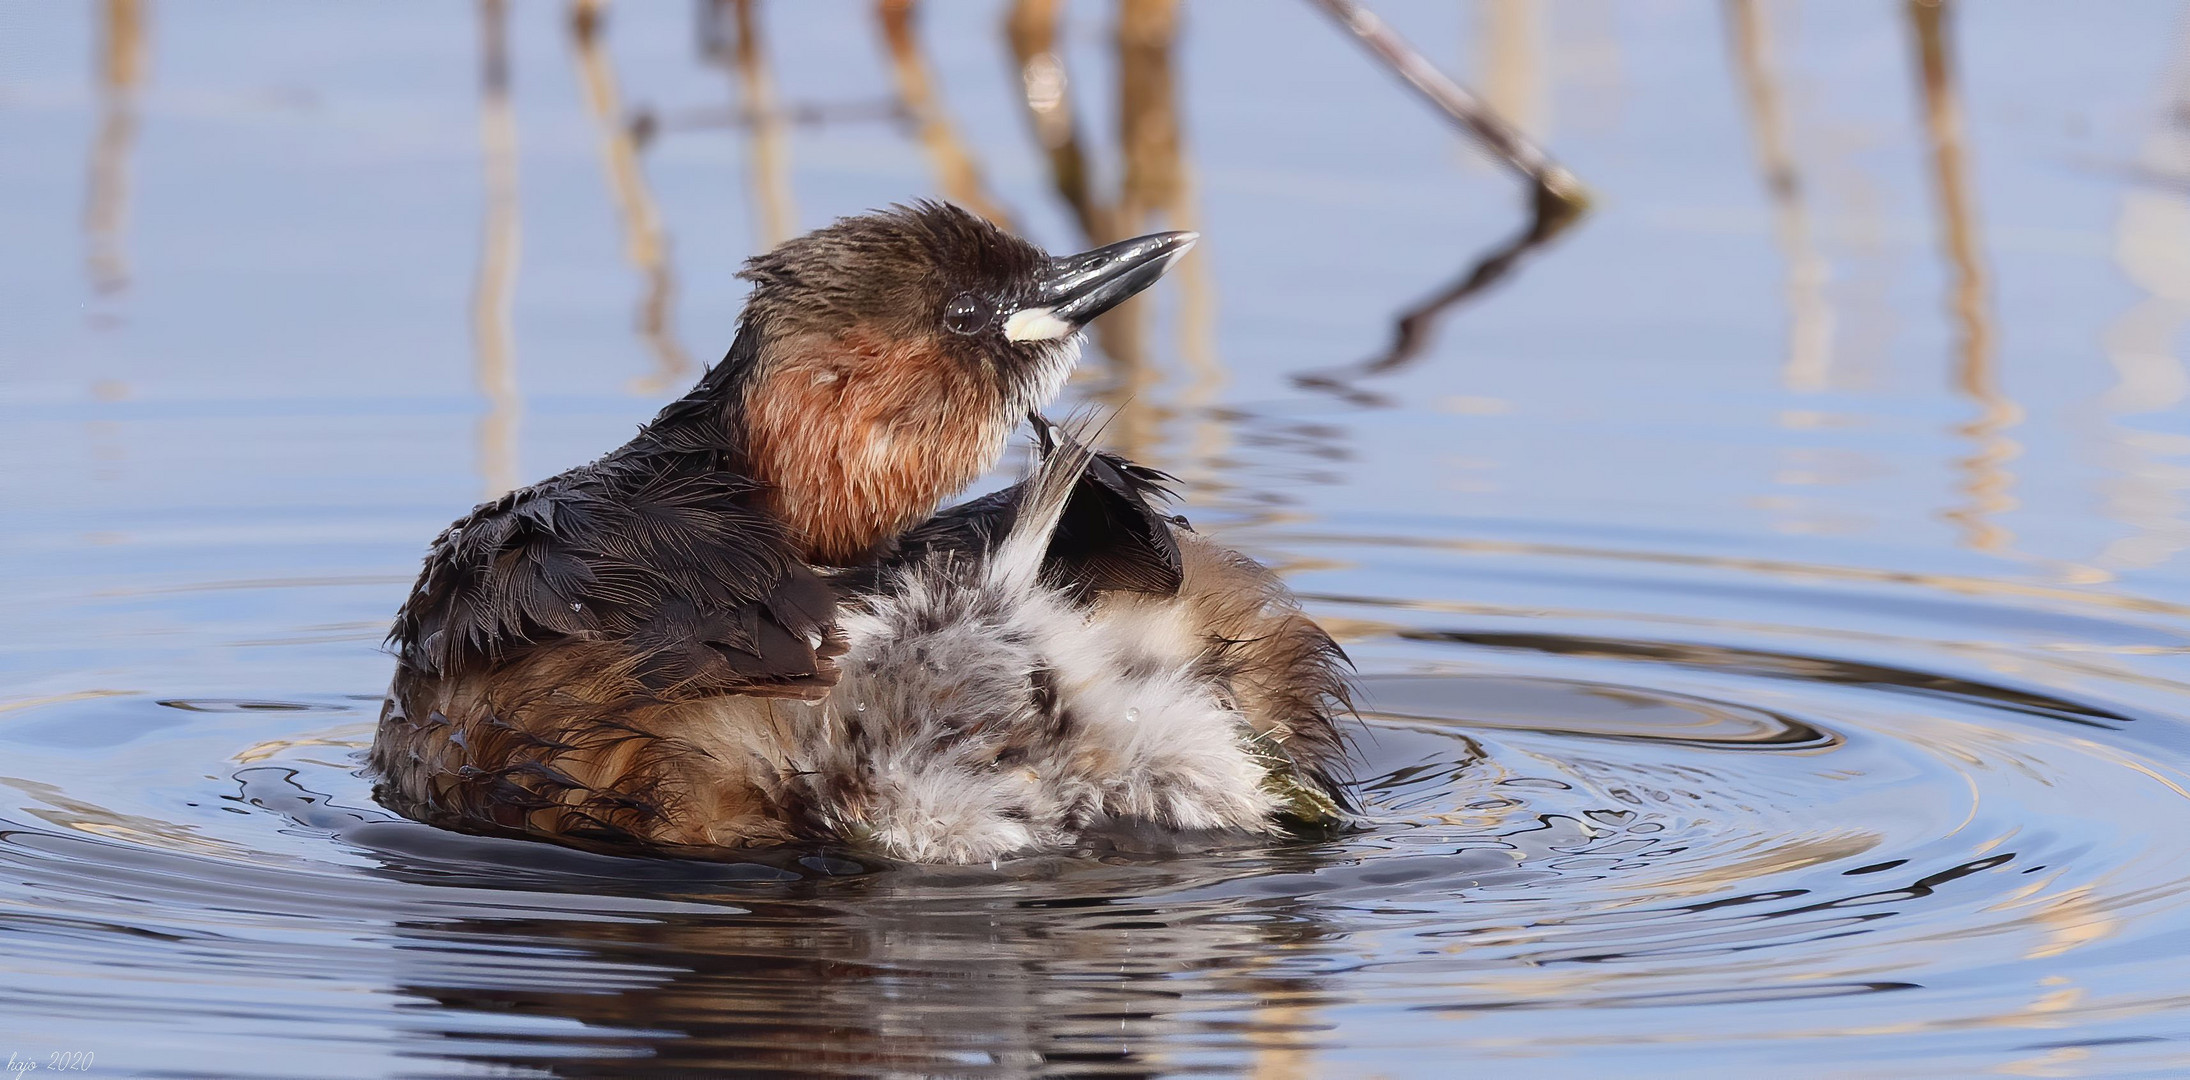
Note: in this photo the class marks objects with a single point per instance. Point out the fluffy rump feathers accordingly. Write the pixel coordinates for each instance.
(983, 712)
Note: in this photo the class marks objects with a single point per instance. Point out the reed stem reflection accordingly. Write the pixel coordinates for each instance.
(493, 338)
(1512, 35)
(1511, 54)
(121, 66)
(1415, 326)
(956, 173)
(1808, 367)
(1031, 28)
(2152, 247)
(1987, 484)
(738, 46)
(1152, 186)
(645, 242)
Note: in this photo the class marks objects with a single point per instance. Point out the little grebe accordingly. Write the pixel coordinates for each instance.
(744, 627)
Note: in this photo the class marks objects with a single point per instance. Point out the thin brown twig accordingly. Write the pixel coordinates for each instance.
(646, 122)
(1500, 138)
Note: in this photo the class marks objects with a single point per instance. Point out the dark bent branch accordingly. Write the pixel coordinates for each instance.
(1411, 332)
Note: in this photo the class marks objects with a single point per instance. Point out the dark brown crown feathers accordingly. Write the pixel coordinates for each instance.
(903, 263)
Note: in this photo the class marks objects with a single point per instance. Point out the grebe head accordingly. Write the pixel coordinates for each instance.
(883, 360)
(940, 279)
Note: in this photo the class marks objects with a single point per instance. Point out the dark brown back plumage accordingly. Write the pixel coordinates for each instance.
(656, 551)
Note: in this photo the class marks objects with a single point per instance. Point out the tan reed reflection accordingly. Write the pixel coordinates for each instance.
(1031, 28)
(1158, 187)
(121, 62)
(1807, 369)
(493, 339)
(1987, 484)
(956, 173)
(646, 243)
(1149, 190)
(911, 972)
(2152, 247)
(56, 807)
(1510, 54)
(1148, 119)
(1210, 430)
(1153, 189)
(767, 126)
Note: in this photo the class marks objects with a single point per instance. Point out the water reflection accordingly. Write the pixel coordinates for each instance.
(1776, 730)
(1594, 854)
(1412, 331)
(957, 175)
(2152, 248)
(645, 242)
(123, 53)
(1556, 198)
(1152, 188)
(1529, 846)
(1511, 51)
(1808, 367)
(1495, 133)
(1649, 784)
(730, 38)
(493, 336)
(1987, 484)
(866, 978)
(1032, 32)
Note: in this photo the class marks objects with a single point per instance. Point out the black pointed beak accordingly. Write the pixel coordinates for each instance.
(1076, 288)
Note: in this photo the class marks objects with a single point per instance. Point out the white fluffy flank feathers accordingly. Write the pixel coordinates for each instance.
(983, 713)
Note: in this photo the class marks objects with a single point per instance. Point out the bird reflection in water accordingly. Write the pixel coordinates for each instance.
(826, 964)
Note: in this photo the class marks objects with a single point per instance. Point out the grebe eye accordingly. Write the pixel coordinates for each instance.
(967, 314)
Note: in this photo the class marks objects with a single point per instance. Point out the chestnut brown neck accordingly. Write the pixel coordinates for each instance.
(859, 435)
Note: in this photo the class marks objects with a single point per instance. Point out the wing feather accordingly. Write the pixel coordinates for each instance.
(1112, 535)
(701, 587)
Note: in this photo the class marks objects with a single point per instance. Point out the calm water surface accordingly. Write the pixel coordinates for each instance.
(1769, 596)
